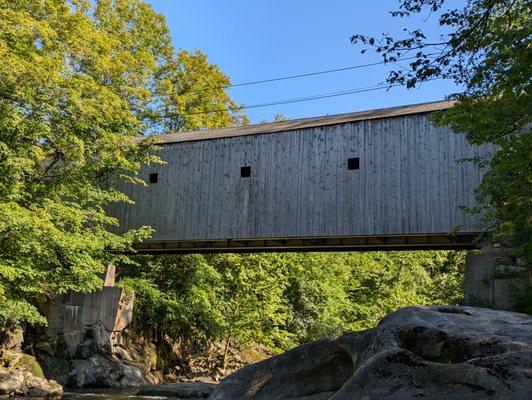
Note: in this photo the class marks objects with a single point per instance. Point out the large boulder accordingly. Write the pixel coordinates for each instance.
(78, 344)
(437, 353)
(24, 381)
(130, 364)
(10, 381)
(100, 370)
(34, 386)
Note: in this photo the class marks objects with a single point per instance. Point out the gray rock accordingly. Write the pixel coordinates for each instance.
(55, 368)
(86, 349)
(105, 371)
(180, 390)
(45, 347)
(82, 343)
(96, 364)
(437, 353)
(67, 343)
(34, 386)
(25, 383)
(10, 381)
(13, 340)
(122, 353)
(101, 336)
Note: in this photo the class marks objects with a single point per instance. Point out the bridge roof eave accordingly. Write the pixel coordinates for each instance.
(296, 124)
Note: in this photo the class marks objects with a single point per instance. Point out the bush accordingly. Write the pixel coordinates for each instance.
(523, 299)
(280, 300)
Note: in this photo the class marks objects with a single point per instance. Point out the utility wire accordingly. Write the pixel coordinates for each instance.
(327, 71)
(287, 101)
(283, 78)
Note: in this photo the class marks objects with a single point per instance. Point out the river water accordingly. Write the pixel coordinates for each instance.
(113, 394)
(107, 394)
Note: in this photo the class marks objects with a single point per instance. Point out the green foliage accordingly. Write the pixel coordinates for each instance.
(78, 81)
(193, 96)
(276, 118)
(280, 300)
(151, 304)
(14, 310)
(174, 296)
(250, 298)
(523, 299)
(317, 294)
(385, 282)
(486, 50)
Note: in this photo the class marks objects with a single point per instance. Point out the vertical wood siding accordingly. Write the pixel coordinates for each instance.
(409, 182)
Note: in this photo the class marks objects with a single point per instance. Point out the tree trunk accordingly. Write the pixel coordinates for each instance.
(226, 352)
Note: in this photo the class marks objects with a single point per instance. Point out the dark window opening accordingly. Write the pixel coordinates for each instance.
(353, 163)
(154, 177)
(67, 298)
(245, 172)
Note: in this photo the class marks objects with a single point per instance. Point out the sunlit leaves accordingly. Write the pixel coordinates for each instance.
(280, 300)
(79, 80)
(485, 48)
(66, 120)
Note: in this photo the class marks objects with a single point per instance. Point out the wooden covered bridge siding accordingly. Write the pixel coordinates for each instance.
(406, 191)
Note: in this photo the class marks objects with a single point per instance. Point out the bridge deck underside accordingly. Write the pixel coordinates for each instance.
(359, 243)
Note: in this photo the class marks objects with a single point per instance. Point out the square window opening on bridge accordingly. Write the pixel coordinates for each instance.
(245, 172)
(154, 177)
(353, 163)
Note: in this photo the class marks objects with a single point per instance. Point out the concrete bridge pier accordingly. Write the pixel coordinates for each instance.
(493, 275)
(83, 323)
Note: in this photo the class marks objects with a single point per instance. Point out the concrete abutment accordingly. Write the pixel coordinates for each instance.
(493, 276)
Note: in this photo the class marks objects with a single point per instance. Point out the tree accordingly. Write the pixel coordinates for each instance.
(384, 282)
(318, 298)
(216, 305)
(193, 97)
(196, 301)
(79, 80)
(276, 118)
(486, 49)
(251, 300)
(175, 297)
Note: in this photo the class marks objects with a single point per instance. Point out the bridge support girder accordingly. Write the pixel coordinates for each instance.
(344, 243)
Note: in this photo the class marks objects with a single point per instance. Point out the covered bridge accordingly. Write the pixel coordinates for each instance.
(379, 179)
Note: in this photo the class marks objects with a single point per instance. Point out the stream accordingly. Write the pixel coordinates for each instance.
(174, 391)
(107, 394)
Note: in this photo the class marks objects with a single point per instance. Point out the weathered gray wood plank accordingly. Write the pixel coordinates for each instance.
(408, 183)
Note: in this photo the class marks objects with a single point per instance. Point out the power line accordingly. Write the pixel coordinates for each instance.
(287, 101)
(327, 71)
(297, 76)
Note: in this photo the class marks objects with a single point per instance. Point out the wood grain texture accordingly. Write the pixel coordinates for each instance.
(409, 183)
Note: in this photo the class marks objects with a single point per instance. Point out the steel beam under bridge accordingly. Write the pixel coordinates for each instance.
(365, 243)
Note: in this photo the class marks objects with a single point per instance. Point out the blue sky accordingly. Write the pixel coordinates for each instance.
(254, 40)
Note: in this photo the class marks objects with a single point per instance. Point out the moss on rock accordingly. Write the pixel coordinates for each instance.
(31, 365)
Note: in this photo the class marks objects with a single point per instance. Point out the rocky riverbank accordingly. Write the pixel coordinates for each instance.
(21, 374)
(437, 353)
(96, 357)
(21, 382)
(91, 341)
